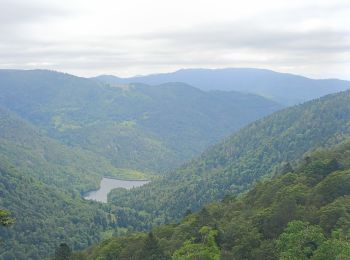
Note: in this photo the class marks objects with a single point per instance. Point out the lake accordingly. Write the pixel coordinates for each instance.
(108, 184)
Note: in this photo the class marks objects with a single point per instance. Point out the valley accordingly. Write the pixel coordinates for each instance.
(302, 213)
(254, 153)
(148, 129)
(174, 130)
(103, 162)
(65, 134)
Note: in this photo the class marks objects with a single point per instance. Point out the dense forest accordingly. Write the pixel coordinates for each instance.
(302, 213)
(44, 216)
(253, 153)
(41, 183)
(60, 134)
(174, 130)
(55, 164)
(138, 127)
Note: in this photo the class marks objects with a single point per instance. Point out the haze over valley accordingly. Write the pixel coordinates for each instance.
(174, 130)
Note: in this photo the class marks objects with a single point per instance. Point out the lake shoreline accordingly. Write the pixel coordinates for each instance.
(107, 184)
(123, 179)
(84, 193)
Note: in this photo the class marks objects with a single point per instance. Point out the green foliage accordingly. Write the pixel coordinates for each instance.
(139, 127)
(5, 219)
(256, 152)
(41, 182)
(63, 252)
(45, 217)
(333, 249)
(151, 249)
(206, 250)
(299, 241)
(296, 215)
(117, 131)
(49, 161)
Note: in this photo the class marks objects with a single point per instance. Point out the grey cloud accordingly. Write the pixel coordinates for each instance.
(15, 12)
(214, 45)
(274, 31)
(17, 16)
(243, 36)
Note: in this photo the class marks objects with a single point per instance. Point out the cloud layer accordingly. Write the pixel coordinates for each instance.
(137, 37)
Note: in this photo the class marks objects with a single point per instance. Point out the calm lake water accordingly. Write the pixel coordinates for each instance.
(108, 184)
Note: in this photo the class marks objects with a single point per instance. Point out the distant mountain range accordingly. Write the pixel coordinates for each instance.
(59, 134)
(136, 126)
(287, 89)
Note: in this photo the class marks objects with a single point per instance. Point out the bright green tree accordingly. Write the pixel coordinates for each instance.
(299, 241)
(333, 249)
(207, 250)
(5, 219)
(336, 248)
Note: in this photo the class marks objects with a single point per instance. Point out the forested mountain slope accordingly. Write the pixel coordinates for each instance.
(35, 155)
(284, 88)
(147, 128)
(45, 216)
(300, 214)
(252, 154)
(41, 181)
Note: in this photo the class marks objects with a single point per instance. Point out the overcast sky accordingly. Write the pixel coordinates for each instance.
(132, 37)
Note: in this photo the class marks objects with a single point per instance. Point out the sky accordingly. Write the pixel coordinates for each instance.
(138, 37)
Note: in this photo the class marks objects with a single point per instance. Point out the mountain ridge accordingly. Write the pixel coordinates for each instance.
(301, 213)
(285, 88)
(141, 127)
(237, 162)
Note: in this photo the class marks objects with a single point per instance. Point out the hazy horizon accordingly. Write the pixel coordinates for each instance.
(309, 38)
(225, 133)
(173, 71)
(223, 68)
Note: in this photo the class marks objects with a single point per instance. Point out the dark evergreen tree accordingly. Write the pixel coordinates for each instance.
(151, 249)
(286, 167)
(63, 252)
(188, 212)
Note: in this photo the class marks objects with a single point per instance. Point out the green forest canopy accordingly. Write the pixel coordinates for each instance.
(300, 214)
(254, 153)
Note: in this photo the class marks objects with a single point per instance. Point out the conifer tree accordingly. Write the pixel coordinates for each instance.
(63, 252)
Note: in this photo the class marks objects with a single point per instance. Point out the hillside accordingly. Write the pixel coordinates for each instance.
(138, 127)
(41, 182)
(38, 156)
(299, 214)
(59, 134)
(45, 216)
(252, 154)
(287, 89)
